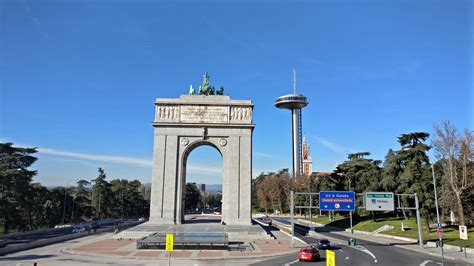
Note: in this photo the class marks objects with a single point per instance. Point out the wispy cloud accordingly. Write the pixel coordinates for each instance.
(88, 159)
(263, 154)
(204, 170)
(339, 149)
(201, 169)
(76, 161)
(101, 158)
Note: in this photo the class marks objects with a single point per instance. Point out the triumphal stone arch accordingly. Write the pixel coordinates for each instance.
(183, 124)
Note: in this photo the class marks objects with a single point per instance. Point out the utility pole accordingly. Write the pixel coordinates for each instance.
(65, 198)
(437, 210)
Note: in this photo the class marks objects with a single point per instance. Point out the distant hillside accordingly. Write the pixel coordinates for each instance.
(214, 188)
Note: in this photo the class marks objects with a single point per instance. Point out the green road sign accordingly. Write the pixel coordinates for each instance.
(379, 201)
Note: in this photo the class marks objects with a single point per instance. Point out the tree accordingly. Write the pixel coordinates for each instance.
(127, 199)
(255, 182)
(456, 154)
(391, 171)
(360, 174)
(15, 181)
(81, 200)
(273, 191)
(262, 194)
(192, 197)
(101, 195)
(211, 200)
(415, 175)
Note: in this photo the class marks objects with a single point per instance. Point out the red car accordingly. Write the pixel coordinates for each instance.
(310, 254)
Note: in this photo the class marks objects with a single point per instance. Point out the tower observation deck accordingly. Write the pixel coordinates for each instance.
(294, 102)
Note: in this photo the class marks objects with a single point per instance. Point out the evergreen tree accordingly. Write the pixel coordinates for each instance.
(15, 185)
(81, 206)
(391, 171)
(192, 197)
(101, 196)
(360, 174)
(416, 176)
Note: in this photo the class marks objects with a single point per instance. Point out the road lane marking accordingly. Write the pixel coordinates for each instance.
(347, 257)
(297, 238)
(363, 249)
(291, 262)
(341, 250)
(425, 262)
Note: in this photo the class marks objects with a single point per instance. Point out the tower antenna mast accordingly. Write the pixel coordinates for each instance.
(294, 81)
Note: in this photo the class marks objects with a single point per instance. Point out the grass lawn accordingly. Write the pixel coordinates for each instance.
(325, 219)
(450, 234)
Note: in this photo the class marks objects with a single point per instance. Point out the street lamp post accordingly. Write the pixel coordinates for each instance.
(437, 210)
(72, 211)
(65, 198)
(350, 212)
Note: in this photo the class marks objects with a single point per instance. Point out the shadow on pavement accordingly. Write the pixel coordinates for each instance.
(202, 221)
(26, 257)
(401, 244)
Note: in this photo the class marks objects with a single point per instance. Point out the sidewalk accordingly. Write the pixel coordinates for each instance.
(451, 252)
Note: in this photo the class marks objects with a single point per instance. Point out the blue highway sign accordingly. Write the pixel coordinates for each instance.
(337, 200)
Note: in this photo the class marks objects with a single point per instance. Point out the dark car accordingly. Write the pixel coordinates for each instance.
(308, 254)
(323, 243)
(267, 220)
(3, 243)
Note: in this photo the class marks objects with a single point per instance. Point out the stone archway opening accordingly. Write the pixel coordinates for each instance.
(202, 180)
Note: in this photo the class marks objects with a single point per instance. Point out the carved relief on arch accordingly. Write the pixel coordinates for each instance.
(167, 112)
(241, 113)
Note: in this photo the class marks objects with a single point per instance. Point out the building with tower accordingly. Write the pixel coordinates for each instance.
(306, 159)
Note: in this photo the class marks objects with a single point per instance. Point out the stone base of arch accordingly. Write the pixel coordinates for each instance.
(191, 121)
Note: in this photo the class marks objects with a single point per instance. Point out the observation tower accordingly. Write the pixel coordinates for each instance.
(294, 102)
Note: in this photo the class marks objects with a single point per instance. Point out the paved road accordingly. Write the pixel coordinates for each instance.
(52, 256)
(366, 253)
(384, 254)
(20, 240)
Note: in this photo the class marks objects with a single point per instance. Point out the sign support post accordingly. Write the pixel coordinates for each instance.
(463, 235)
(350, 215)
(418, 221)
(310, 212)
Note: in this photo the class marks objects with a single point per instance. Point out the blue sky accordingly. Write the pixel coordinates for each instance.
(78, 78)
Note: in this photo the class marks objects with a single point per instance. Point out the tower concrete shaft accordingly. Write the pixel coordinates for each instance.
(297, 141)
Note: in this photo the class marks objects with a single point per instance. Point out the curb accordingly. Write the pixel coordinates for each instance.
(287, 228)
(98, 255)
(384, 235)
